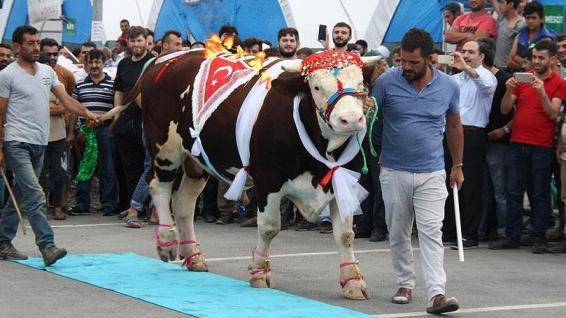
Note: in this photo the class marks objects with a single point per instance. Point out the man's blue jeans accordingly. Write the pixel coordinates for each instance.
(528, 166)
(141, 193)
(25, 161)
(106, 173)
(495, 186)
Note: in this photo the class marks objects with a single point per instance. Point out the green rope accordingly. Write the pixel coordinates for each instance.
(90, 154)
(364, 169)
(374, 117)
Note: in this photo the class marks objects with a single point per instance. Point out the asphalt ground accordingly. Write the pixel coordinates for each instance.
(513, 283)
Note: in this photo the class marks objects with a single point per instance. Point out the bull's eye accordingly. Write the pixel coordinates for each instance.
(316, 88)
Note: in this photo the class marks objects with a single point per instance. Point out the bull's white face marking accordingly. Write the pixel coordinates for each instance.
(347, 117)
(172, 149)
(185, 92)
(308, 199)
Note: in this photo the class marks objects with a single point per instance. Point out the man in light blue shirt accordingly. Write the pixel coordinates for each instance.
(477, 87)
(418, 103)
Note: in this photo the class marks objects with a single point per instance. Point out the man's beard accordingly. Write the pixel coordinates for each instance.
(287, 54)
(542, 70)
(413, 76)
(340, 44)
(140, 53)
(28, 57)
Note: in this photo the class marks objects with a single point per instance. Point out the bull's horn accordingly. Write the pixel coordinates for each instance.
(368, 60)
(295, 67)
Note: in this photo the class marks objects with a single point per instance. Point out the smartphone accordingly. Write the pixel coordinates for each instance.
(445, 59)
(322, 32)
(523, 77)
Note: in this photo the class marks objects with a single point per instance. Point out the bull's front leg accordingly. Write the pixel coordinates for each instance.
(268, 225)
(183, 205)
(351, 278)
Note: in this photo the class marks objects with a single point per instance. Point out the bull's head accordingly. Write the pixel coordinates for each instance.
(336, 82)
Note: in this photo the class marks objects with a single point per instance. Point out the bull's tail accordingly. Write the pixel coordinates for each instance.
(130, 97)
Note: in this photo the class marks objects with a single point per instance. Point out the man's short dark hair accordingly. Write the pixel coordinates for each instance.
(18, 35)
(305, 51)
(363, 43)
(515, 3)
(546, 45)
(487, 48)
(561, 37)
(250, 42)
(124, 20)
(168, 33)
(122, 42)
(228, 29)
(397, 50)
(6, 46)
(96, 54)
(89, 44)
(343, 25)
(453, 7)
(417, 38)
(149, 32)
(285, 31)
(135, 31)
(438, 51)
(534, 7)
(197, 43)
(48, 42)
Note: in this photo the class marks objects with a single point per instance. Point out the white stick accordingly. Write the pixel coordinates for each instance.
(458, 225)
(13, 197)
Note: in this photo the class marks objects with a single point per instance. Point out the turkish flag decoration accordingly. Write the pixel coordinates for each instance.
(220, 73)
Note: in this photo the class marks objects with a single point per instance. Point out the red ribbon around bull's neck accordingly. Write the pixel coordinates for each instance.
(328, 177)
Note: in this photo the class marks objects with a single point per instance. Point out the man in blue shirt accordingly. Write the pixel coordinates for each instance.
(418, 103)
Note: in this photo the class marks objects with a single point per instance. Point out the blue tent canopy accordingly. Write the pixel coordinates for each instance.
(261, 19)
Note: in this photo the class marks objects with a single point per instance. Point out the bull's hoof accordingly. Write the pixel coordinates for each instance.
(166, 241)
(356, 290)
(260, 280)
(352, 281)
(195, 263)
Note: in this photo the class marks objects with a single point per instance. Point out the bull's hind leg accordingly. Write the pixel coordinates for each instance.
(351, 278)
(268, 225)
(183, 204)
(166, 162)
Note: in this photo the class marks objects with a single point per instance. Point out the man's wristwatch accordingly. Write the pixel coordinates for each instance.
(506, 129)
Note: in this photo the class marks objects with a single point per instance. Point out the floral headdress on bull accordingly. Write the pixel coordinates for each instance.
(335, 61)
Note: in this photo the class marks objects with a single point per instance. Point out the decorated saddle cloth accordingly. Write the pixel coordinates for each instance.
(217, 78)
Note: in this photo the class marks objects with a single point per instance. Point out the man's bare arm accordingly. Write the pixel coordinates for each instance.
(455, 138)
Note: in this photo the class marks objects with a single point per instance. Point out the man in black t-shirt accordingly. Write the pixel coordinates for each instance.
(127, 126)
(498, 135)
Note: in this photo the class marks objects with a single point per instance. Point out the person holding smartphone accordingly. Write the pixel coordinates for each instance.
(532, 146)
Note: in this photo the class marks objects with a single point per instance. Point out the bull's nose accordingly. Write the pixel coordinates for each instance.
(352, 121)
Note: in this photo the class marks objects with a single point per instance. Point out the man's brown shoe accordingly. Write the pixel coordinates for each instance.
(442, 304)
(402, 296)
(9, 252)
(59, 214)
(52, 254)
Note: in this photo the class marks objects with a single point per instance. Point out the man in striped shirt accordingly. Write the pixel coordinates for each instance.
(96, 93)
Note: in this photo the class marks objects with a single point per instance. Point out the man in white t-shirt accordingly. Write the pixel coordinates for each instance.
(24, 128)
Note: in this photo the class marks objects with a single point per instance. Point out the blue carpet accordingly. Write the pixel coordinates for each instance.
(196, 294)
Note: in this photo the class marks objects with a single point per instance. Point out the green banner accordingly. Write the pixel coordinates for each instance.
(554, 17)
(70, 27)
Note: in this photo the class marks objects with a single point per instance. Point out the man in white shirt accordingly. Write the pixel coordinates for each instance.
(477, 86)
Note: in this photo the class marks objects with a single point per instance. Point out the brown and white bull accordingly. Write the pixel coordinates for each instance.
(331, 110)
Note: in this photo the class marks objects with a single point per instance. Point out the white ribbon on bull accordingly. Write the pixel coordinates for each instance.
(348, 192)
(244, 128)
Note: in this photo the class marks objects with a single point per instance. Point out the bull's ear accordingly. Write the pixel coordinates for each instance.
(290, 83)
(367, 72)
